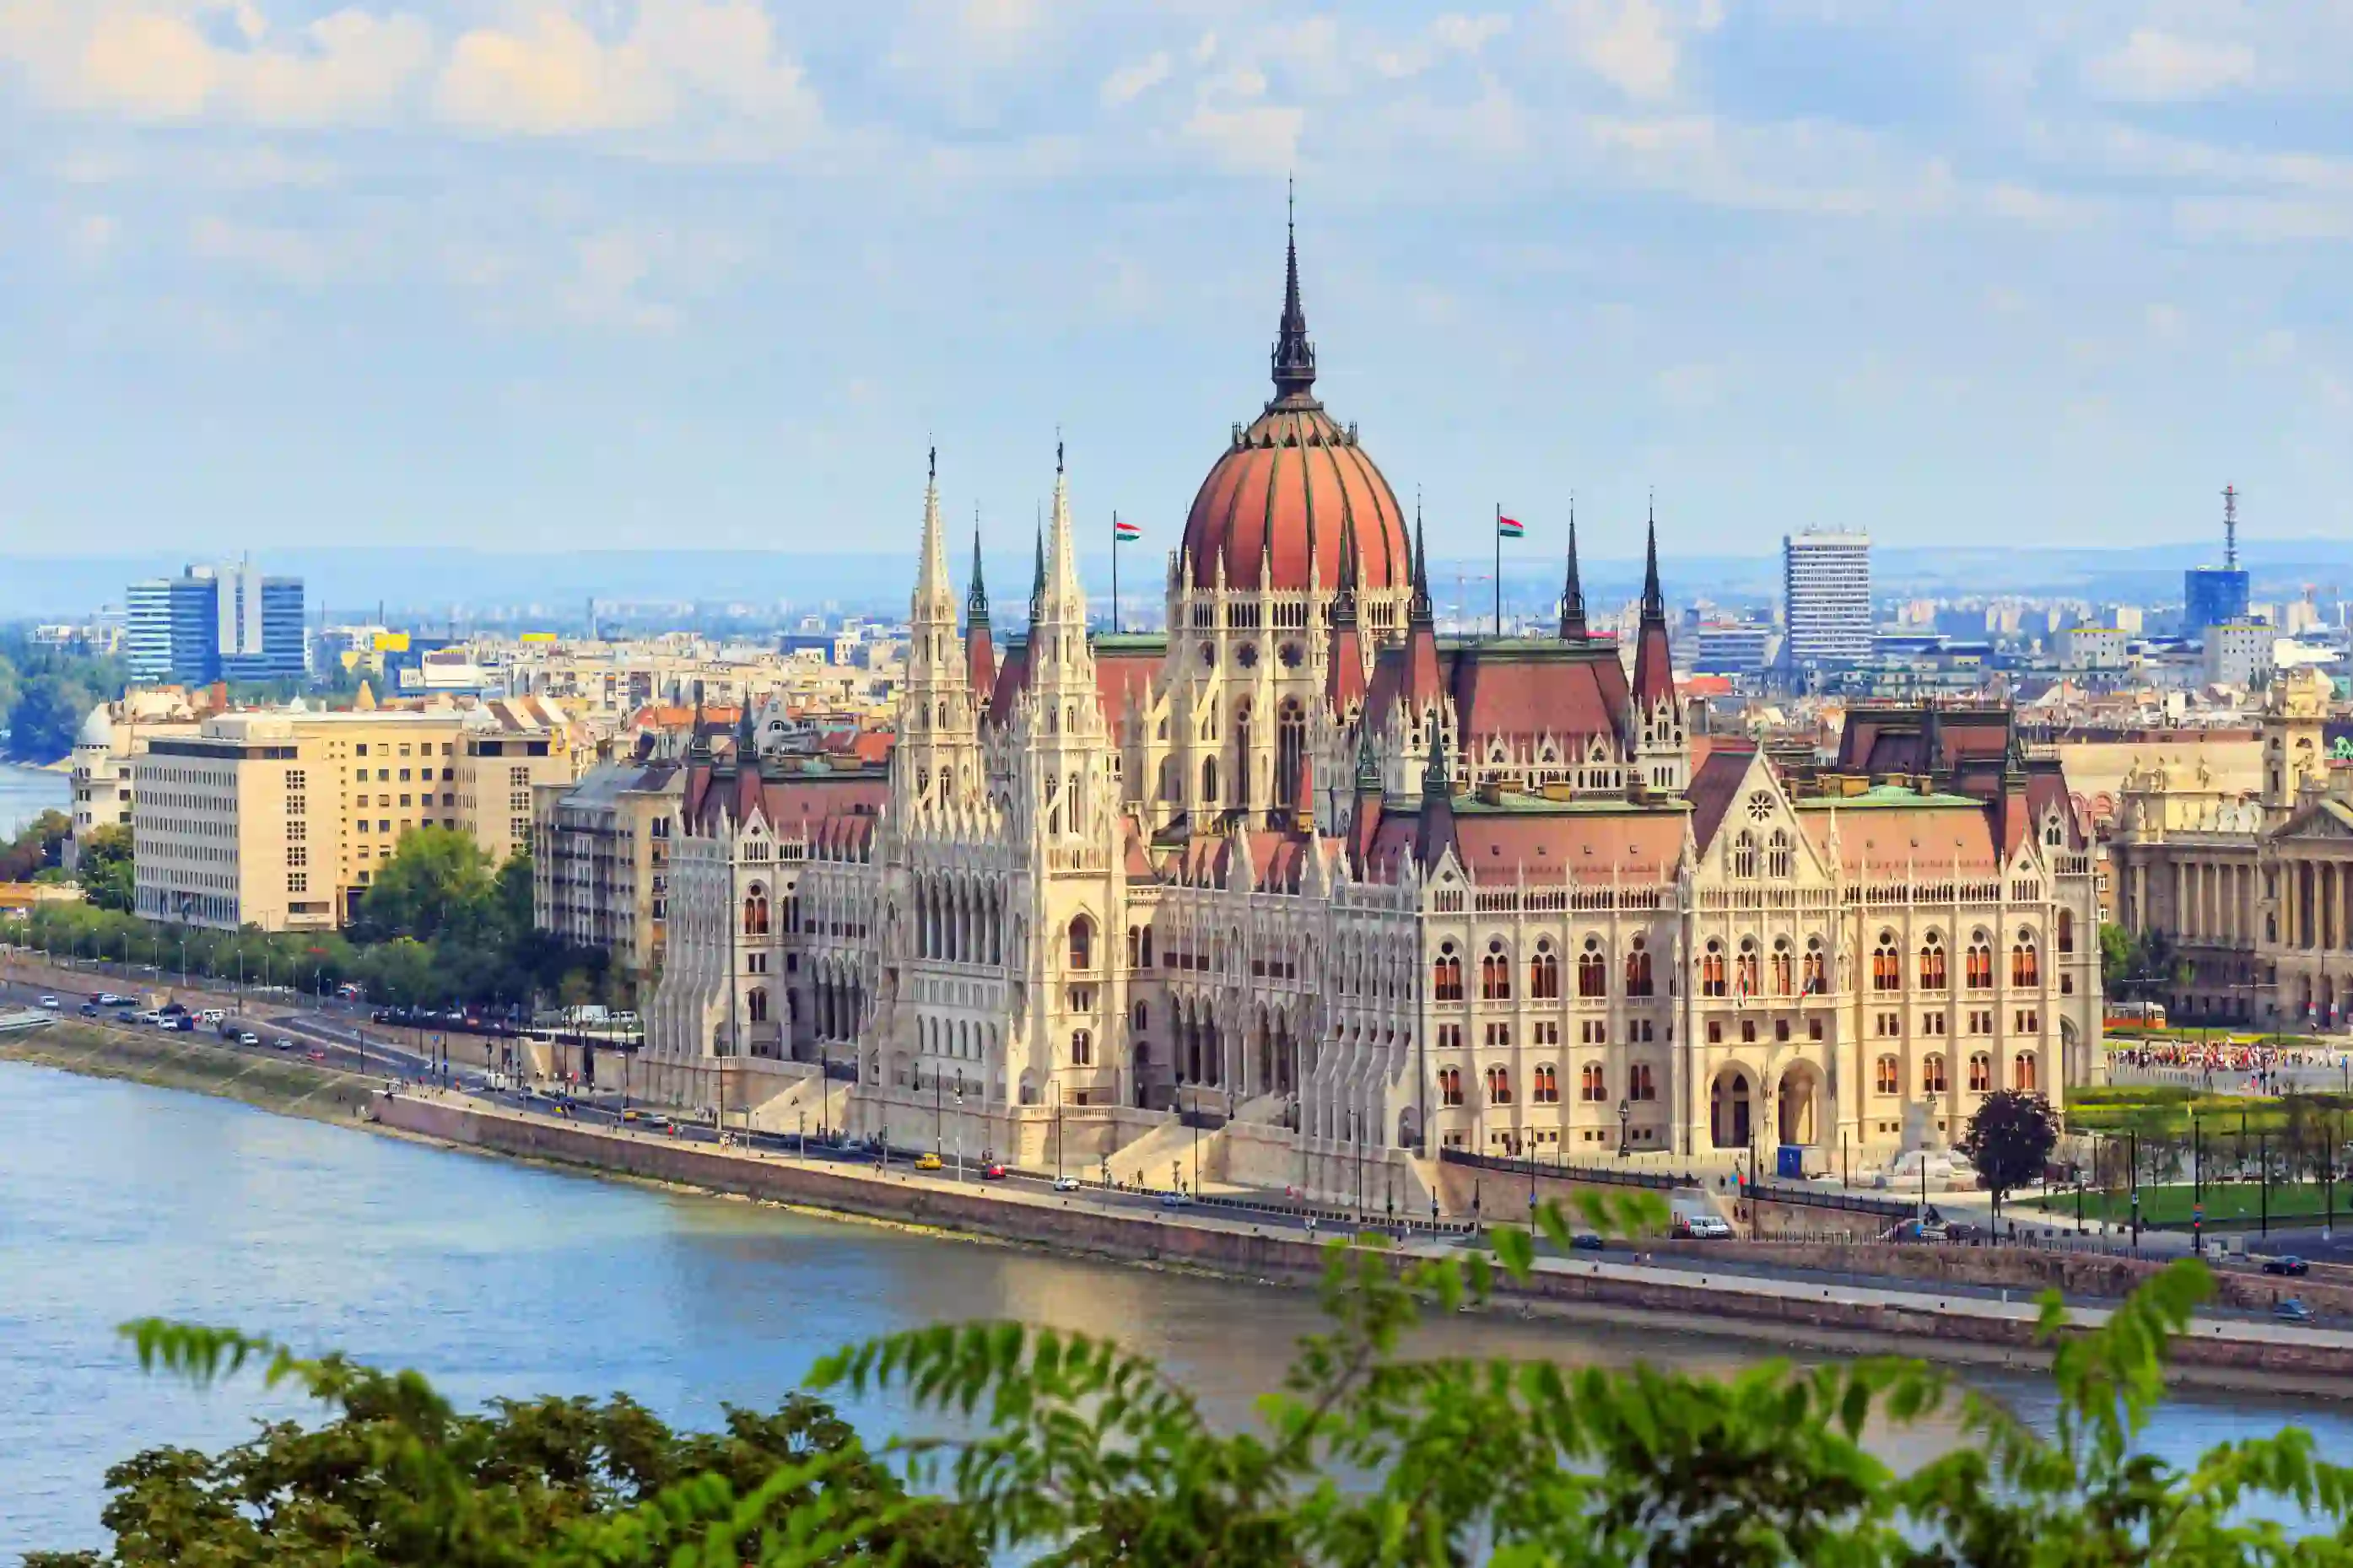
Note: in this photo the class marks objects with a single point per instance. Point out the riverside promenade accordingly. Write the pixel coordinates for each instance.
(1677, 1287)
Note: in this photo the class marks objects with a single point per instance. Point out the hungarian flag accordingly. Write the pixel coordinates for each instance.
(1124, 533)
(1510, 527)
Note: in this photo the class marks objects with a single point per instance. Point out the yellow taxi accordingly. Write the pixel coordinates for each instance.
(928, 1163)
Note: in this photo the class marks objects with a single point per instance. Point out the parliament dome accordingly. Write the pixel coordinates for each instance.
(1293, 485)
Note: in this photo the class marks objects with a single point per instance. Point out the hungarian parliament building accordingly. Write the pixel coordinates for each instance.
(1300, 886)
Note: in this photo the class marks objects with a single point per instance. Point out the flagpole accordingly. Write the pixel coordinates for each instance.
(1499, 570)
(1114, 574)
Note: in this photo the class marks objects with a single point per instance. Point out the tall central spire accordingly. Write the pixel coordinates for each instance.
(1294, 356)
(1655, 601)
(1572, 592)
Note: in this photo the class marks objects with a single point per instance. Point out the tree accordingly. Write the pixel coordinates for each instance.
(2120, 959)
(46, 717)
(2009, 1140)
(1064, 1449)
(438, 882)
(108, 879)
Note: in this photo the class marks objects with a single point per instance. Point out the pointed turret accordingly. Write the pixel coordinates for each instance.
(1343, 675)
(1365, 825)
(1435, 835)
(933, 587)
(1294, 356)
(1421, 677)
(1654, 677)
(1572, 591)
(1038, 582)
(980, 645)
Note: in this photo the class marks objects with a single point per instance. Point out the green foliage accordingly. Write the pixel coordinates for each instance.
(1065, 1450)
(46, 692)
(437, 883)
(2009, 1140)
(2140, 965)
(107, 877)
(36, 847)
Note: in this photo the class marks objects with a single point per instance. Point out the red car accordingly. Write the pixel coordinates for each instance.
(993, 1173)
(318, 1056)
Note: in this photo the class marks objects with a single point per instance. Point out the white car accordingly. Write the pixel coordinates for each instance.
(51, 1002)
(248, 1039)
(1066, 1184)
(1707, 1227)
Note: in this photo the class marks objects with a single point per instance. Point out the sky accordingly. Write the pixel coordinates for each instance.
(565, 275)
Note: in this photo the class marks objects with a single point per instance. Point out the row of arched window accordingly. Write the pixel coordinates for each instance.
(1978, 961)
(1544, 1084)
(1544, 972)
(1887, 1078)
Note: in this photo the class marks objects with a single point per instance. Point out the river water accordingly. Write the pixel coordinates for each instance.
(26, 793)
(118, 1200)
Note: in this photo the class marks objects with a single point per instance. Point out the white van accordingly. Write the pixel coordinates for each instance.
(212, 1017)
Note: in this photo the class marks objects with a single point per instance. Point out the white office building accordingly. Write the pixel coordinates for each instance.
(1826, 589)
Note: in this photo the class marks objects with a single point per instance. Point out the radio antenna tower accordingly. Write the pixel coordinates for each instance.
(2230, 528)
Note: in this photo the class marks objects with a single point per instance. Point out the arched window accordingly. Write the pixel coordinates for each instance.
(1744, 857)
(1083, 942)
(1592, 970)
(755, 911)
(1135, 947)
(1932, 1073)
(1980, 1072)
(1751, 981)
(755, 1003)
(1816, 983)
(1785, 977)
(1499, 1086)
(2024, 970)
(1778, 862)
(1544, 973)
(1933, 973)
(1140, 1017)
(1711, 969)
(1889, 1079)
(1082, 1049)
(1886, 968)
(1290, 747)
(1593, 1084)
(2066, 930)
(1546, 1088)
(1640, 1084)
(1446, 975)
(1495, 974)
(1209, 780)
(1638, 969)
(2022, 1072)
(1449, 1085)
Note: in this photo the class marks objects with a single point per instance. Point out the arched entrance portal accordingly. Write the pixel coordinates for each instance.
(1728, 1110)
(1796, 1110)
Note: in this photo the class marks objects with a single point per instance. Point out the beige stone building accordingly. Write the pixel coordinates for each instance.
(1350, 895)
(278, 820)
(2255, 885)
(600, 860)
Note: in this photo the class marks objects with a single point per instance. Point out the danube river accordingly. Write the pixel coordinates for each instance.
(118, 1200)
(26, 793)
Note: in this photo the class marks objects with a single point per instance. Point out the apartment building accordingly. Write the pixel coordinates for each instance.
(600, 860)
(280, 818)
(1826, 592)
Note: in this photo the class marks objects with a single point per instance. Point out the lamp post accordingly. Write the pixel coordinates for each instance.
(1057, 1087)
(2132, 1158)
(1625, 1120)
(2196, 1186)
(959, 1105)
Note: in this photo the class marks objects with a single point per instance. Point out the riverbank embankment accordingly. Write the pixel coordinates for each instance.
(267, 1081)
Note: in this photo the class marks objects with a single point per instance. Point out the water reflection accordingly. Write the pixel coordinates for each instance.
(499, 1279)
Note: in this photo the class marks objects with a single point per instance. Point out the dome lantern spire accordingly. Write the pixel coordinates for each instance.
(1294, 356)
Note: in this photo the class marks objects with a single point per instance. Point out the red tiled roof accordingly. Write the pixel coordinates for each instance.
(1283, 492)
(1714, 784)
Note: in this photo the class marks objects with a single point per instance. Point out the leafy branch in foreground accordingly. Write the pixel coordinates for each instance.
(1065, 1450)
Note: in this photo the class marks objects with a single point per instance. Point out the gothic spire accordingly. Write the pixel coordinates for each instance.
(1654, 602)
(976, 603)
(1344, 602)
(1294, 356)
(933, 592)
(1419, 608)
(1572, 592)
(1038, 582)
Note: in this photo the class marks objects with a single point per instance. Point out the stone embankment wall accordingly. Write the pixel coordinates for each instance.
(1248, 1252)
(195, 1062)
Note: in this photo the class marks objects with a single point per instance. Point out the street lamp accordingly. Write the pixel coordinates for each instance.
(1625, 1116)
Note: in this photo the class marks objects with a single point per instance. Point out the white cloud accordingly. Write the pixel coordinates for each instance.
(1260, 137)
(2159, 66)
(157, 60)
(1451, 34)
(683, 61)
(289, 256)
(1636, 46)
(1128, 83)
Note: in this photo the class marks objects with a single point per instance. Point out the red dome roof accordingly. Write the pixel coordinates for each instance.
(1285, 493)
(1293, 485)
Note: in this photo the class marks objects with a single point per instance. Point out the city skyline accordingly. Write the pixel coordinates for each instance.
(558, 277)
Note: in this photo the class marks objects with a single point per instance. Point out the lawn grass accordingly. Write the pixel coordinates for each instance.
(2226, 1202)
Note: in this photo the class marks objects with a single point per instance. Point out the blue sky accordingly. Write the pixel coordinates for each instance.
(556, 274)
